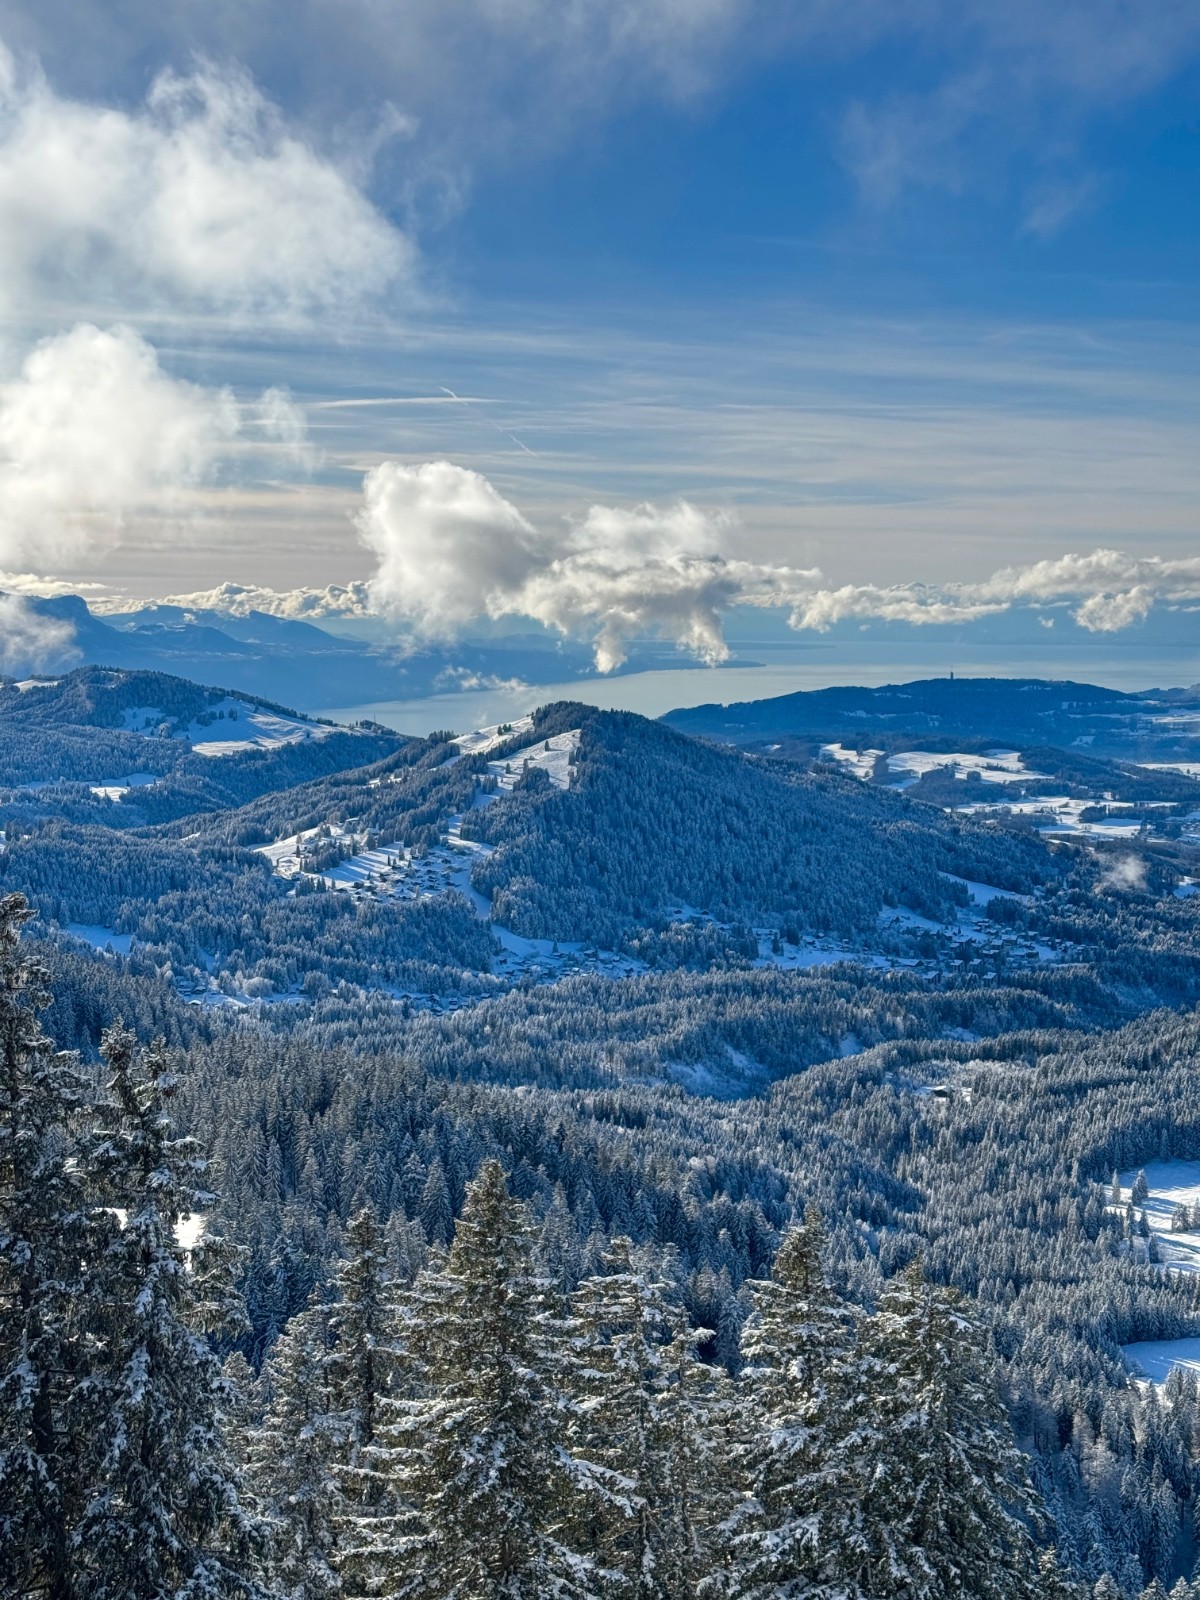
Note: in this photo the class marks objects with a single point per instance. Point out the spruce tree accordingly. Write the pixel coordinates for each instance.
(46, 1238)
(638, 1426)
(358, 1374)
(789, 1534)
(293, 1460)
(165, 1517)
(479, 1450)
(943, 1501)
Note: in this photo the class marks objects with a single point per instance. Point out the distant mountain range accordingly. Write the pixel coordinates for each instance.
(961, 713)
(297, 663)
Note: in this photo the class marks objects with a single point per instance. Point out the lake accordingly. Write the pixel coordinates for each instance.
(653, 693)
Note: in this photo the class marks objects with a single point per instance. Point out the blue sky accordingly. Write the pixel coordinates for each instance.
(894, 297)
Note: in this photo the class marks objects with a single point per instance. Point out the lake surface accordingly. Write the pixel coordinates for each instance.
(653, 693)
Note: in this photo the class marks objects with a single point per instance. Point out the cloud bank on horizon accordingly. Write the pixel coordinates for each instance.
(451, 550)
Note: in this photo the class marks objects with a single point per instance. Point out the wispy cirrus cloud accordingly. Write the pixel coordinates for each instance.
(970, 85)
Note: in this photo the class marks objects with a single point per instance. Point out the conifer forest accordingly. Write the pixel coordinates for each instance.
(595, 1159)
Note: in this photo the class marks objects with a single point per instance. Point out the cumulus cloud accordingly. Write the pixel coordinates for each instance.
(30, 642)
(450, 546)
(93, 430)
(201, 197)
(450, 549)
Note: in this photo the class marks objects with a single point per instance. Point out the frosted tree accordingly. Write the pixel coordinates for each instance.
(436, 1210)
(944, 1504)
(45, 1241)
(479, 1450)
(789, 1535)
(638, 1426)
(293, 1459)
(358, 1371)
(165, 1516)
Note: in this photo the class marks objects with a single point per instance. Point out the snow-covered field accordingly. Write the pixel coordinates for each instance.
(906, 766)
(1050, 814)
(229, 726)
(114, 788)
(994, 766)
(1155, 1358)
(1061, 814)
(553, 756)
(1190, 769)
(245, 727)
(1171, 1184)
(100, 938)
(860, 762)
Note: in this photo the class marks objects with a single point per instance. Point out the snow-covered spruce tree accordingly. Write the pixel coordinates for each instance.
(790, 1534)
(165, 1517)
(638, 1424)
(943, 1501)
(44, 1244)
(371, 1521)
(293, 1458)
(479, 1446)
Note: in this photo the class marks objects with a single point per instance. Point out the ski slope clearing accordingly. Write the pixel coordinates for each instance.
(554, 755)
(484, 739)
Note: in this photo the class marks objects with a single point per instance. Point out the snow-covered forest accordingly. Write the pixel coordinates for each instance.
(581, 1161)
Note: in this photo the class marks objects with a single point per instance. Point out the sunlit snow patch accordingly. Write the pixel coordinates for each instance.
(100, 938)
(552, 756)
(860, 762)
(994, 766)
(1155, 1358)
(248, 727)
(114, 788)
(1171, 1184)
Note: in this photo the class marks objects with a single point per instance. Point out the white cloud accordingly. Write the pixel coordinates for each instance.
(29, 642)
(93, 431)
(199, 198)
(240, 599)
(1109, 590)
(451, 549)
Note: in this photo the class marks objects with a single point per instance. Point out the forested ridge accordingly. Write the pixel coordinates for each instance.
(796, 1280)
